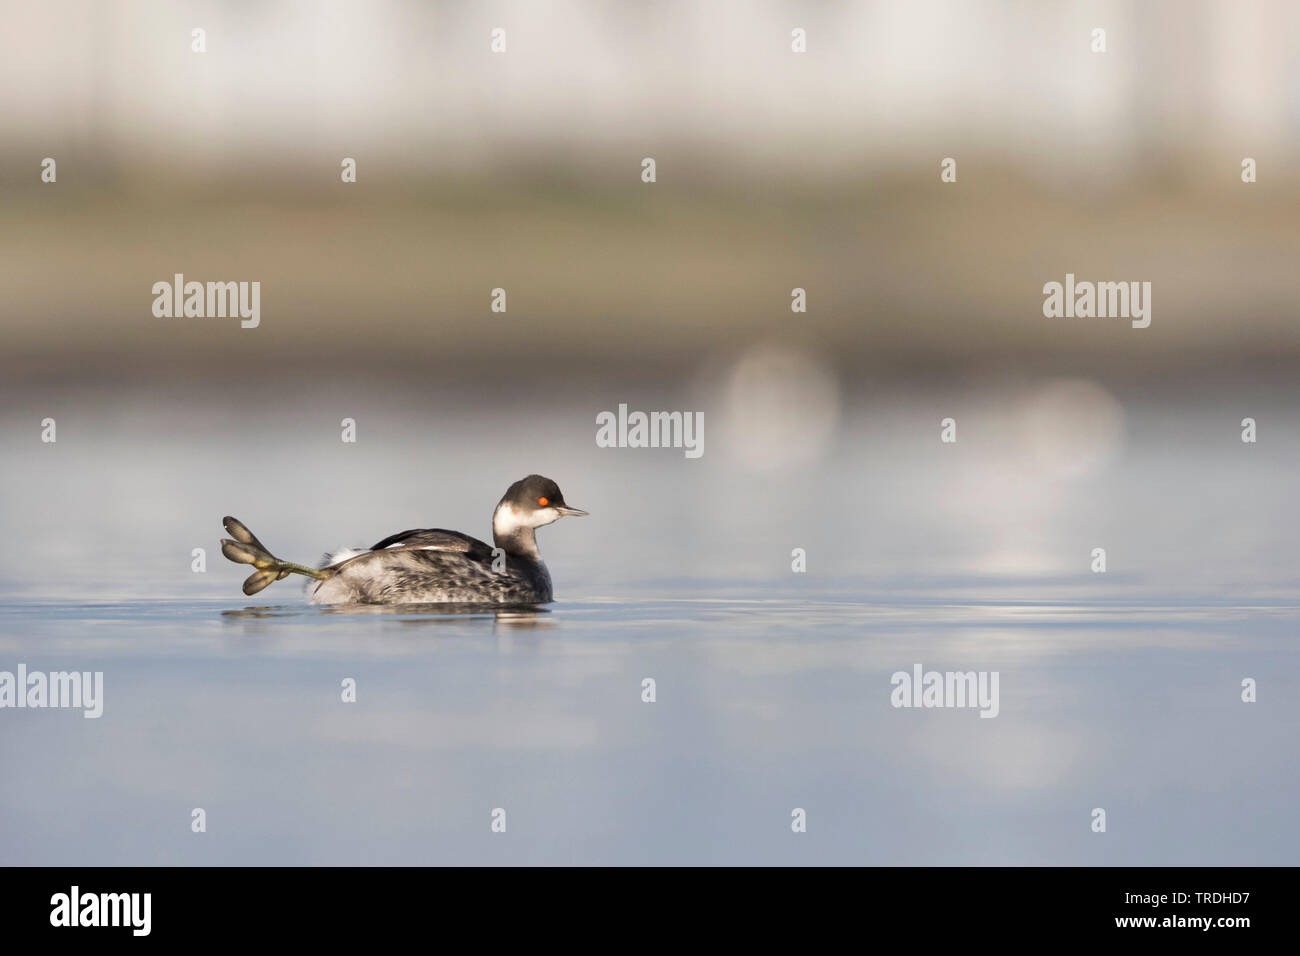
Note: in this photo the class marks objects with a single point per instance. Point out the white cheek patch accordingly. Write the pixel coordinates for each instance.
(510, 519)
(507, 521)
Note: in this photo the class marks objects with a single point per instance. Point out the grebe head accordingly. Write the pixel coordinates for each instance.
(528, 504)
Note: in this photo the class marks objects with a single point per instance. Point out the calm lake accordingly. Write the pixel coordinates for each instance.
(762, 705)
(773, 687)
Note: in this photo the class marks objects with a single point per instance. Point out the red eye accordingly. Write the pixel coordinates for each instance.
(543, 501)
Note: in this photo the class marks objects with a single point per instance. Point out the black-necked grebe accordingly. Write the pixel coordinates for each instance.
(428, 565)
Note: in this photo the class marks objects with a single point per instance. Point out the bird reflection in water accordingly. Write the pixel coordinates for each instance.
(524, 616)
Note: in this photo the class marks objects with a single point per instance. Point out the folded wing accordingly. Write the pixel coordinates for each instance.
(437, 539)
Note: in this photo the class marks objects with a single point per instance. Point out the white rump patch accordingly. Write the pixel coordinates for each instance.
(338, 557)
